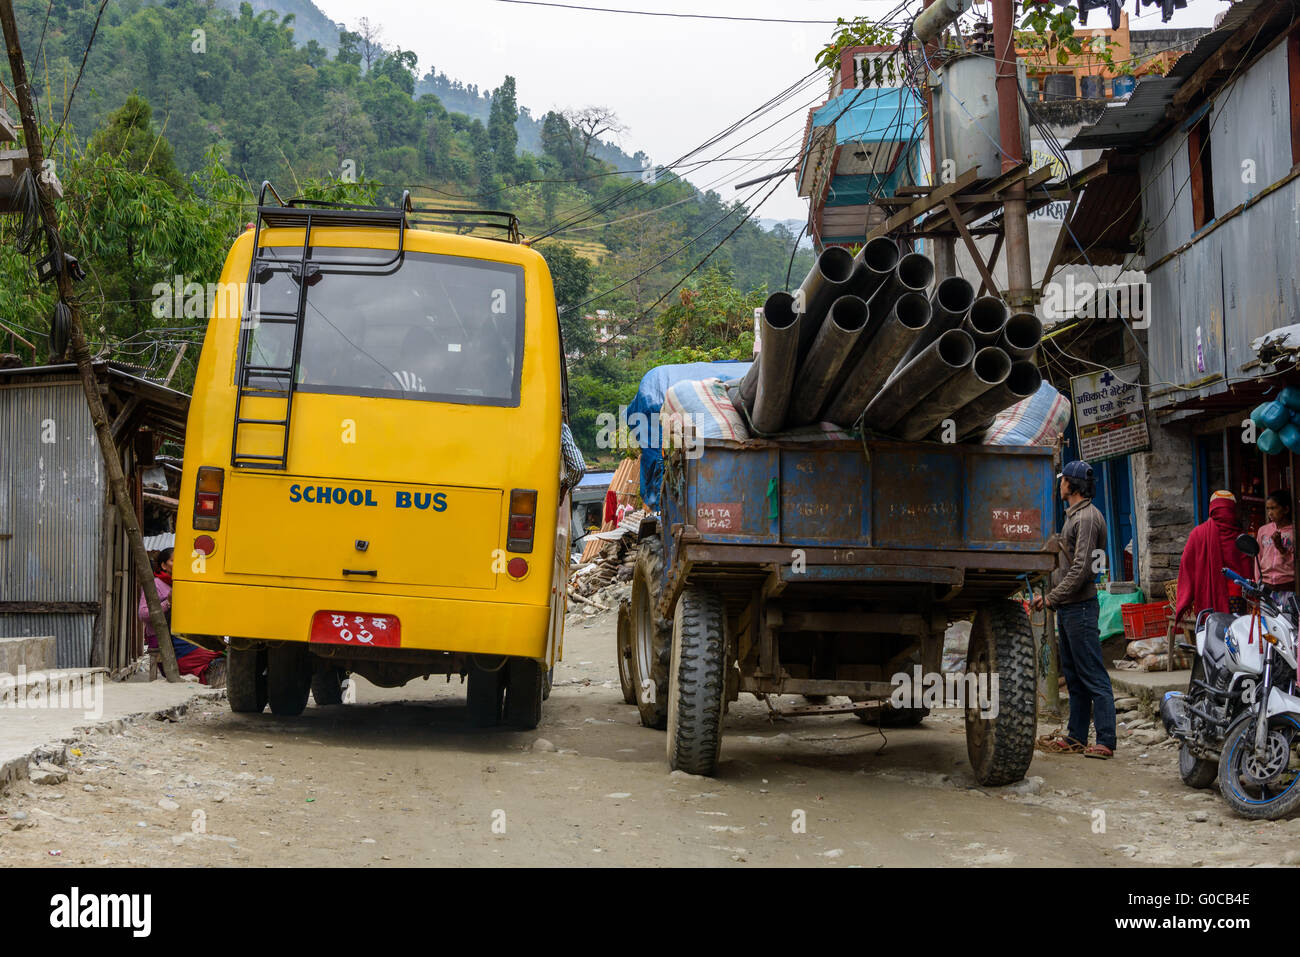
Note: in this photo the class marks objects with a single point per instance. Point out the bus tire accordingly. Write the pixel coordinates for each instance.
(327, 686)
(525, 684)
(483, 693)
(698, 681)
(624, 650)
(652, 637)
(288, 678)
(1001, 747)
(246, 680)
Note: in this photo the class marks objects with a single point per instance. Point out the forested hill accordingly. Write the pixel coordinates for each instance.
(233, 97)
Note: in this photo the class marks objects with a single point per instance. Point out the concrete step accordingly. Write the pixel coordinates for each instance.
(30, 653)
(28, 686)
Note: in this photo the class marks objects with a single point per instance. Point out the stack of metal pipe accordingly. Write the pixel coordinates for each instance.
(864, 342)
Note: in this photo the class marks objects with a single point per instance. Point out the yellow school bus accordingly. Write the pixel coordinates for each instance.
(374, 476)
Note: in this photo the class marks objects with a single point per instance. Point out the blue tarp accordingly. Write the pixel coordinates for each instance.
(650, 399)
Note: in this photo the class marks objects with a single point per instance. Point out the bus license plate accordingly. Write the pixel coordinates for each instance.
(354, 628)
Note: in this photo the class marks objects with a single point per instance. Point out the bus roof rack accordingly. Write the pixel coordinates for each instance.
(404, 215)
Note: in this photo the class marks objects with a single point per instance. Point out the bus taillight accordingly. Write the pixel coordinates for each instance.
(207, 498)
(523, 512)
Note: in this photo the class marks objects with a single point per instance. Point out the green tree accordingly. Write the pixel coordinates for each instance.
(501, 126)
(571, 274)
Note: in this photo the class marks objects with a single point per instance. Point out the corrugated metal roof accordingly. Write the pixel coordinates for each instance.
(1142, 118)
(1107, 216)
(1123, 125)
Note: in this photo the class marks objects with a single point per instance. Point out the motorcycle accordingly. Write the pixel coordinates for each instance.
(1239, 719)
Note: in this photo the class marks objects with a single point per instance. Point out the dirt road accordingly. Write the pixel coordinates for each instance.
(397, 778)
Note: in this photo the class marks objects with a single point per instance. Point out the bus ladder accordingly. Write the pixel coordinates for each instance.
(304, 215)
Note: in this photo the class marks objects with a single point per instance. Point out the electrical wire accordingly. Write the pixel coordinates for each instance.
(662, 13)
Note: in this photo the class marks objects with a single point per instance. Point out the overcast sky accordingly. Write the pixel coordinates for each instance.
(674, 82)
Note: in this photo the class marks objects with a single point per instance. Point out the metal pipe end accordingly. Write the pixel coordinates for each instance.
(913, 310)
(957, 348)
(880, 255)
(1024, 379)
(1023, 332)
(836, 264)
(915, 272)
(778, 310)
(991, 365)
(955, 295)
(988, 315)
(849, 313)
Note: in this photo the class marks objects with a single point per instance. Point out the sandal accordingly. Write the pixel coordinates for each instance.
(1098, 751)
(1059, 744)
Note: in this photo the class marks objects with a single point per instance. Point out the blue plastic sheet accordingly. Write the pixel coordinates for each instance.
(650, 399)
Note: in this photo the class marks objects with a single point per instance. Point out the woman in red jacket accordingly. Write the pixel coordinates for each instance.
(1210, 548)
(190, 658)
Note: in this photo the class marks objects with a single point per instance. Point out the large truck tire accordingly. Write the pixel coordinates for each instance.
(246, 680)
(525, 684)
(1001, 747)
(652, 637)
(624, 650)
(698, 681)
(288, 678)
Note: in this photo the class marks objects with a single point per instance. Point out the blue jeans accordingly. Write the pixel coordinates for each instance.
(1091, 697)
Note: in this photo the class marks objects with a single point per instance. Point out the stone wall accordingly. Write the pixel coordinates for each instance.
(1163, 497)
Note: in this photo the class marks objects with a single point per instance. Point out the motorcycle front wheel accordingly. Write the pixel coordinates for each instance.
(1261, 787)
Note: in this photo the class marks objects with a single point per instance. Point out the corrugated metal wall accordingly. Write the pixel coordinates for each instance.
(73, 634)
(51, 502)
(1240, 280)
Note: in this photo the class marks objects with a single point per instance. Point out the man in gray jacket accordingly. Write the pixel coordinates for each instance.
(1073, 596)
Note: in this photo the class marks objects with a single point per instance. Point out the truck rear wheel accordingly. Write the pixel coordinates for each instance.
(698, 681)
(623, 650)
(246, 680)
(524, 685)
(652, 637)
(1001, 746)
(288, 678)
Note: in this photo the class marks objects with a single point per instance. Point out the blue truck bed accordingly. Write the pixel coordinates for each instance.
(956, 524)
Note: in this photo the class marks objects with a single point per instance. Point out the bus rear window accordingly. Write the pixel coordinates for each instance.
(437, 328)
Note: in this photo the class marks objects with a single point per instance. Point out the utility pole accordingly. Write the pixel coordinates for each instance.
(80, 351)
(1015, 218)
(945, 252)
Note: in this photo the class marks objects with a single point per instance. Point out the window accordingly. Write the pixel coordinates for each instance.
(1202, 172)
(439, 328)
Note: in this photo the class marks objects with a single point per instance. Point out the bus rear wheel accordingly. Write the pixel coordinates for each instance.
(524, 685)
(246, 680)
(288, 678)
(483, 693)
(327, 685)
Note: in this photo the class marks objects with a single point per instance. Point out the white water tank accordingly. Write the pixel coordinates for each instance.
(965, 103)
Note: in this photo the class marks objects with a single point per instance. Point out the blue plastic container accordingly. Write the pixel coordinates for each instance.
(1290, 436)
(1257, 416)
(1122, 85)
(1290, 397)
(1275, 416)
(1268, 442)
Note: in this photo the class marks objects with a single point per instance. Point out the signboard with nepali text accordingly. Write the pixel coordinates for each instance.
(1109, 417)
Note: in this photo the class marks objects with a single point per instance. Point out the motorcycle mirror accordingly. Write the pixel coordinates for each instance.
(1247, 544)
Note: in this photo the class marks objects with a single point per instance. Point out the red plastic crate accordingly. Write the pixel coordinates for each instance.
(1150, 620)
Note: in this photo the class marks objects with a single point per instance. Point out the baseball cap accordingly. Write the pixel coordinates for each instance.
(1078, 469)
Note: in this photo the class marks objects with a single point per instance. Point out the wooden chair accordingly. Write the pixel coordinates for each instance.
(1171, 595)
